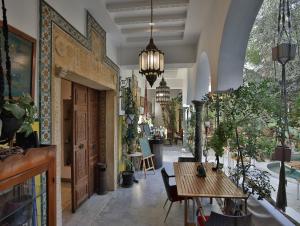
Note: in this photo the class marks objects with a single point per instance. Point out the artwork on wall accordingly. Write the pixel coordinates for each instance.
(22, 54)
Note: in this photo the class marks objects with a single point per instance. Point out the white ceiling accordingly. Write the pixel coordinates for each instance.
(177, 22)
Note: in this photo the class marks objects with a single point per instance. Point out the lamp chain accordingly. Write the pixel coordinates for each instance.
(6, 48)
(151, 24)
(284, 16)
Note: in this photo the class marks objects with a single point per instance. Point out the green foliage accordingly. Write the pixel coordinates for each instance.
(191, 123)
(22, 108)
(253, 56)
(31, 115)
(218, 140)
(169, 114)
(131, 109)
(257, 181)
(262, 38)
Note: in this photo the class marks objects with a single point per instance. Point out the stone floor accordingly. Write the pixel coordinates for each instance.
(140, 205)
(66, 195)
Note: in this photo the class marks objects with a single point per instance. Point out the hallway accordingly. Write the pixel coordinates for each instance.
(140, 205)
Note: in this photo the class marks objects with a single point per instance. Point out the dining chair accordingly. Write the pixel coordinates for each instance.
(147, 158)
(216, 219)
(171, 191)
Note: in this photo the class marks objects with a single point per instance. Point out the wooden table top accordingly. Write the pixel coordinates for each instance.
(214, 185)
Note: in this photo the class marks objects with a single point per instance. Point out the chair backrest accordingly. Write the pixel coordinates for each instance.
(145, 147)
(217, 219)
(165, 178)
(186, 159)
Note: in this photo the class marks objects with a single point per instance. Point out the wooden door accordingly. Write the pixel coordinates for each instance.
(80, 150)
(93, 135)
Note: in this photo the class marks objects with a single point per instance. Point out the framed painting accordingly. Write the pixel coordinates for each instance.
(22, 51)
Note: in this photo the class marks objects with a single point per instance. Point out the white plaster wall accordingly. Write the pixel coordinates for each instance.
(237, 28)
(191, 80)
(180, 54)
(224, 40)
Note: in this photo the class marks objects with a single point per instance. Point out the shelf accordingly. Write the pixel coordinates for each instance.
(11, 204)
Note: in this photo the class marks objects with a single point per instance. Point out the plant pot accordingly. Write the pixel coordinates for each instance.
(281, 154)
(127, 177)
(10, 126)
(32, 141)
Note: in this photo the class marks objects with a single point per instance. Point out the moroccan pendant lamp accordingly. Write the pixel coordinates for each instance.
(162, 92)
(151, 59)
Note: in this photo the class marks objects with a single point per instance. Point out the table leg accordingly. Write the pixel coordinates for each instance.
(185, 212)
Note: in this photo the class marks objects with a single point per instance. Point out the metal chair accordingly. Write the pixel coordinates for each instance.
(171, 191)
(216, 219)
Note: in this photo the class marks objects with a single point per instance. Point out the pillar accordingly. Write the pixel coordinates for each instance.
(198, 129)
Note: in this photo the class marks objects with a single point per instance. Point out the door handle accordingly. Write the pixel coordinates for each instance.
(81, 146)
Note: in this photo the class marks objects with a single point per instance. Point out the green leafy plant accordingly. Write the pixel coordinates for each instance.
(22, 109)
(218, 141)
(169, 115)
(131, 111)
(257, 181)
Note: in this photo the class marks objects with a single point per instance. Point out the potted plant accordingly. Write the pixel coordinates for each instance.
(17, 115)
(130, 133)
(217, 142)
(128, 173)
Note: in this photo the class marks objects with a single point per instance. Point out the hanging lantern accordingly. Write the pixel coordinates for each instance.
(162, 92)
(151, 59)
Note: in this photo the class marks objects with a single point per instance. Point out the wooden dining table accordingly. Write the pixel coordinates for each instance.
(214, 185)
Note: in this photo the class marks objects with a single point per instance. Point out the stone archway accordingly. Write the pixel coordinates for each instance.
(239, 22)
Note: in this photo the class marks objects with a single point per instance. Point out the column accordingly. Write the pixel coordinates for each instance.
(198, 129)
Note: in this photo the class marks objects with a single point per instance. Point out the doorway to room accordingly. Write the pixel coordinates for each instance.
(80, 143)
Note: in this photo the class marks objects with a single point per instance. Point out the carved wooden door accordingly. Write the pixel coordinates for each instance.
(93, 132)
(80, 150)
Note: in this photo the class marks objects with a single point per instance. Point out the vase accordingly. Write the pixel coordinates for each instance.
(10, 126)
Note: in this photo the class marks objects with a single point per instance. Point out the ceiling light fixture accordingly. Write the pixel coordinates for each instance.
(151, 59)
(162, 92)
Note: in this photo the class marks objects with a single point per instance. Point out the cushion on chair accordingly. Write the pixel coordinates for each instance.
(201, 221)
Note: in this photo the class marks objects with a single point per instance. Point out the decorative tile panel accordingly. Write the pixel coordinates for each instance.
(48, 18)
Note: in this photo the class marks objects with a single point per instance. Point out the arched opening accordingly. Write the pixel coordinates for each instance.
(238, 25)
